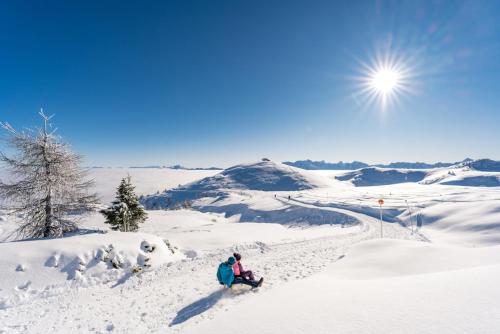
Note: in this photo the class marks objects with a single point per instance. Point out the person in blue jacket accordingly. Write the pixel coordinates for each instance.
(225, 275)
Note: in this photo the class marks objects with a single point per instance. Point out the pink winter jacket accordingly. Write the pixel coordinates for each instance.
(237, 268)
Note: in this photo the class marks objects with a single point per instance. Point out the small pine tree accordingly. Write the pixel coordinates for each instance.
(125, 213)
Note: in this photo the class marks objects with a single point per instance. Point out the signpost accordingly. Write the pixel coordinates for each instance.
(380, 203)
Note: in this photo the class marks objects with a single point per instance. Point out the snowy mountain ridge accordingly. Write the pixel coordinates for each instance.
(472, 173)
(264, 175)
(323, 165)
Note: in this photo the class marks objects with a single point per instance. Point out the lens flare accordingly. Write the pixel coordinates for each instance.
(384, 81)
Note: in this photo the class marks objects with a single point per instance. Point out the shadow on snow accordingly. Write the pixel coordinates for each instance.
(197, 307)
(204, 304)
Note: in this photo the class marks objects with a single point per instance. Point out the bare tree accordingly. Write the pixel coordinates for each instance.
(48, 186)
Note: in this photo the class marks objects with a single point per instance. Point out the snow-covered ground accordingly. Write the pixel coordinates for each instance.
(40, 268)
(381, 286)
(315, 239)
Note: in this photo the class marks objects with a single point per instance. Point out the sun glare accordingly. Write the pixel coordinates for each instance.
(385, 81)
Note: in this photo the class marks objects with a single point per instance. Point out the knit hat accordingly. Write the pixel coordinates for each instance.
(237, 256)
(231, 260)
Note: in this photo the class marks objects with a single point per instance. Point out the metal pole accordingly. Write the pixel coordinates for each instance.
(381, 229)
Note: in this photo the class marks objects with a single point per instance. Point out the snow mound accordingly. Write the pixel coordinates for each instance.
(40, 268)
(373, 176)
(264, 175)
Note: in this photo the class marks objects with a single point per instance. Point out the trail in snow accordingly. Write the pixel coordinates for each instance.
(177, 295)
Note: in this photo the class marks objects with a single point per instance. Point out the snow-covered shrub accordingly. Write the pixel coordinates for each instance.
(147, 247)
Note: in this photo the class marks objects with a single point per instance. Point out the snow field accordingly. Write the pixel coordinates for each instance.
(319, 277)
(380, 286)
(52, 266)
(153, 300)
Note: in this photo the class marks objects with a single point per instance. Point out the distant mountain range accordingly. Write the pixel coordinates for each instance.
(480, 165)
(323, 165)
(483, 165)
(177, 167)
(197, 168)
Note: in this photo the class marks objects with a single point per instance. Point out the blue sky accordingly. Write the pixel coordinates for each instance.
(220, 82)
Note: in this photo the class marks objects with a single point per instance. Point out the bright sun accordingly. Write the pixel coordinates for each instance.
(384, 81)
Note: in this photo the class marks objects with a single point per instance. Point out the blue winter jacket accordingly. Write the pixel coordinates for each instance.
(225, 274)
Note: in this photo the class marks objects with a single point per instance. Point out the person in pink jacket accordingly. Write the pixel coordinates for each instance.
(240, 272)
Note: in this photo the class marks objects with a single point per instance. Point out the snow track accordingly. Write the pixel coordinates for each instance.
(177, 295)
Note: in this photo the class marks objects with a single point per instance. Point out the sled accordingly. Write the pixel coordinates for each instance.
(244, 287)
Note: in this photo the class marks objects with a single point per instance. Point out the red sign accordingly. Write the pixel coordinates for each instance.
(381, 201)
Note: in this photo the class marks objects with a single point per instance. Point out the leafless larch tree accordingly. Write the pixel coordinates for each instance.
(47, 187)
